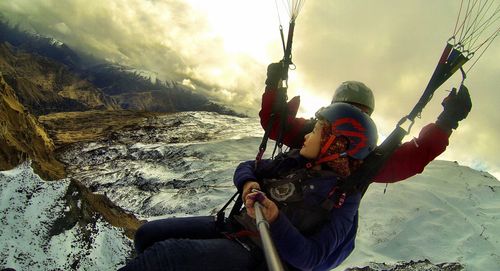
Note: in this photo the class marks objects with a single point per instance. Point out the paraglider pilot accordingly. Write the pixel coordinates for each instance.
(410, 158)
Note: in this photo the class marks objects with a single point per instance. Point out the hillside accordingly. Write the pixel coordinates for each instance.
(448, 213)
(66, 128)
(59, 225)
(135, 90)
(23, 137)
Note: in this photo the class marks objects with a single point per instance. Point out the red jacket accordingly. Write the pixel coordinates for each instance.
(409, 159)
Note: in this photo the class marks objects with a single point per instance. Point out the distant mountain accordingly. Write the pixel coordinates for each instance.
(41, 76)
(45, 86)
(30, 86)
(127, 86)
(134, 90)
(42, 46)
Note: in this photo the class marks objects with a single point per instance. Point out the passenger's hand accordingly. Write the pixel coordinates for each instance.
(456, 108)
(269, 209)
(247, 189)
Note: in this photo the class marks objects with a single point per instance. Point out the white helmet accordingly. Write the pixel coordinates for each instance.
(356, 93)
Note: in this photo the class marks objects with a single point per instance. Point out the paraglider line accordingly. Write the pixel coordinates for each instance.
(458, 18)
(489, 44)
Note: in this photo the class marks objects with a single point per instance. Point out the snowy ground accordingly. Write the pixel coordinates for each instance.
(184, 166)
(29, 236)
(449, 213)
(190, 175)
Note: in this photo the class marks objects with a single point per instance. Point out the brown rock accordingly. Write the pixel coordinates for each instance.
(72, 127)
(22, 137)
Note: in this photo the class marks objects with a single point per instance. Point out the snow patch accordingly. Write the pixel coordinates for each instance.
(29, 208)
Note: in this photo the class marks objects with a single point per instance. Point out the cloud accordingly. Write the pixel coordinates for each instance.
(172, 38)
(223, 47)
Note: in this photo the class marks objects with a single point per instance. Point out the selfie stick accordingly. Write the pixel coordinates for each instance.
(272, 258)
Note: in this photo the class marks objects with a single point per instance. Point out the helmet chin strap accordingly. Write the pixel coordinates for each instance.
(321, 156)
(327, 145)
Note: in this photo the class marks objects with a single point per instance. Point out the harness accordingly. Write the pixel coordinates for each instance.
(287, 189)
(297, 196)
(305, 196)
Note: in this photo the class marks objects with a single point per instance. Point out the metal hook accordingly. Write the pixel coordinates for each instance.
(403, 120)
(452, 38)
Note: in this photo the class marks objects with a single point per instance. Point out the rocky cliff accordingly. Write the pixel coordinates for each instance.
(22, 137)
(66, 128)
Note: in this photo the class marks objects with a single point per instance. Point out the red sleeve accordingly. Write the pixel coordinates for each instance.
(411, 157)
(295, 128)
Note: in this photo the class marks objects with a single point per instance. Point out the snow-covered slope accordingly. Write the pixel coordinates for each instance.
(449, 213)
(173, 165)
(34, 237)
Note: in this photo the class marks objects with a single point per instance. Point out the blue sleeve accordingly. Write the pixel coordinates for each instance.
(244, 172)
(308, 252)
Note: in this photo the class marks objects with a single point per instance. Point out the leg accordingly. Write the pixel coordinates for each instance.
(202, 227)
(199, 254)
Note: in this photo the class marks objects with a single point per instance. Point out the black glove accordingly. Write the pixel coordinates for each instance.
(456, 108)
(274, 74)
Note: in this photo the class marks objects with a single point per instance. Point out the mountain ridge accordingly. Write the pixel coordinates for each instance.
(112, 79)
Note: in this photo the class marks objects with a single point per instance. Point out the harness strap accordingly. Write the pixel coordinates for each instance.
(236, 237)
(220, 216)
(363, 177)
(279, 107)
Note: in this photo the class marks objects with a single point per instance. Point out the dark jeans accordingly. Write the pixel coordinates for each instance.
(191, 243)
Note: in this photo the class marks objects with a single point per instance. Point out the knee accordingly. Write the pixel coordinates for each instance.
(142, 238)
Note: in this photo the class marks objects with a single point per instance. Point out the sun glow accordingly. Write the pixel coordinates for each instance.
(243, 26)
(309, 104)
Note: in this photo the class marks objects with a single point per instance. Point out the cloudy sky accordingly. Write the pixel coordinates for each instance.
(392, 46)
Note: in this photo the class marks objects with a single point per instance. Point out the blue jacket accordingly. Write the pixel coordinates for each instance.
(331, 243)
